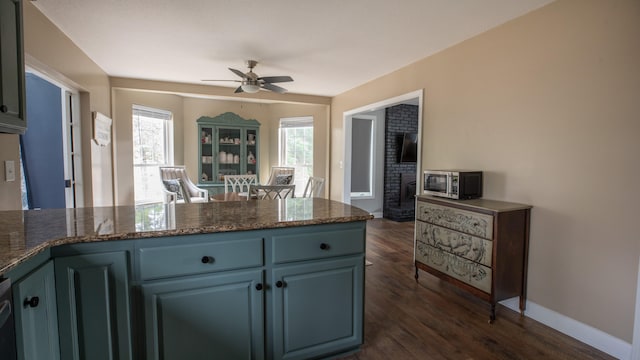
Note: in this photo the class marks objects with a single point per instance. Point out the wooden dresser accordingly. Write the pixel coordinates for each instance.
(478, 245)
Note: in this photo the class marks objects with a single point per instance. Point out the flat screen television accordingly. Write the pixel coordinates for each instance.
(408, 148)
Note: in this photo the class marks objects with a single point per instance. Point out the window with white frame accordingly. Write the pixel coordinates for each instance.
(296, 148)
(152, 147)
(362, 157)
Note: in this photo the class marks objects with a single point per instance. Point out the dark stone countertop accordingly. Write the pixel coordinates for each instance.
(24, 234)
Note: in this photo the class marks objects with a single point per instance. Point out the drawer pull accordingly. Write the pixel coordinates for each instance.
(324, 246)
(258, 286)
(279, 284)
(31, 302)
(207, 259)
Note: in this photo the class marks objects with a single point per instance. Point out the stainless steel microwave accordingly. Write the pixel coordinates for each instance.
(453, 184)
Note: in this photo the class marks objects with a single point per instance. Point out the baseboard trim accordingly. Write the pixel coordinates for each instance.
(377, 214)
(587, 334)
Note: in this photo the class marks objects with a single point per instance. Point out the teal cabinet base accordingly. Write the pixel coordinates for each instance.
(93, 306)
(34, 299)
(317, 308)
(217, 316)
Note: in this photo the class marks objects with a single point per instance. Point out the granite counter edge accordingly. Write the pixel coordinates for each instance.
(30, 253)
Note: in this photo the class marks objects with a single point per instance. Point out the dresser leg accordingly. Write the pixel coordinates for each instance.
(416, 276)
(492, 314)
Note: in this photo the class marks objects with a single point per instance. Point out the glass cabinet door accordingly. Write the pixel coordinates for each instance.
(229, 152)
(251, 151)
(206, 154)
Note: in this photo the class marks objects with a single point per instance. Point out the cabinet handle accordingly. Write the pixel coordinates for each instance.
(279, 284)
(207, 259)
(31, 302)
(4, 108)
(324, 246)
(258, 286)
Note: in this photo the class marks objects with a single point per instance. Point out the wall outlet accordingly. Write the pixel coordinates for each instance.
(9, 170)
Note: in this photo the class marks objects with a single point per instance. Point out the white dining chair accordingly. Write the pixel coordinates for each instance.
(314, 188)
(239, 183)
(281, 175)
(178, 188)
(270, 192)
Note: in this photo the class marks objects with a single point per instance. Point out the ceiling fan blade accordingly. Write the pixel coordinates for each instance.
(238, 90)
(221, 80)
(274, 88)
(239, 73)
(275, 79)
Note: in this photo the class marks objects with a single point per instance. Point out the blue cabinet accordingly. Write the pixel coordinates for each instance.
(203, 296)
(12, 84)
(93, 305)
(288, 293)
(229, 145)
(218, 316)
(317, 290)
(317, 308)
(34, 298)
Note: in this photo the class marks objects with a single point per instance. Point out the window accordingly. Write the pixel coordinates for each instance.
(152, 147)
(362, 157)
(296, 148)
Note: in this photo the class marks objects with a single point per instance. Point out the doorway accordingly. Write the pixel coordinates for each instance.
(50, 148)
(373, 203)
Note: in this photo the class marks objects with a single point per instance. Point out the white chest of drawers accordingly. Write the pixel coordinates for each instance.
(478, 245)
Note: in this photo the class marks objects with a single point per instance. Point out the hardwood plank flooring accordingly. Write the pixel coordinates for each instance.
(431, 319)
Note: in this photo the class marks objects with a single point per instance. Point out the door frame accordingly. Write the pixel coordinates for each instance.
(70, 101)
(348, 115)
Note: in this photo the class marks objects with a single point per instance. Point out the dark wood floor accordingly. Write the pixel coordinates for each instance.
(434, 320)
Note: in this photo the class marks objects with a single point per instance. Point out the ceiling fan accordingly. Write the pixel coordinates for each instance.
(252, 83)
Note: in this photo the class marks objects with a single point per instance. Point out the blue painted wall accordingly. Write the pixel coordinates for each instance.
(42, 144)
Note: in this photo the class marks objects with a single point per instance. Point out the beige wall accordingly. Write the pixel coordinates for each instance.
(187, 110)
(320, 114)
(547, 105)
(49, 51)
(10, 198)
(123, 101)
(268, 115)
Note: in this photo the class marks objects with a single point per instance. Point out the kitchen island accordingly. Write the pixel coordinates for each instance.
(257, 279)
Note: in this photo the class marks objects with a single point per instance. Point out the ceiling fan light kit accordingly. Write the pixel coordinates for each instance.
(252, 83)
(250, 88)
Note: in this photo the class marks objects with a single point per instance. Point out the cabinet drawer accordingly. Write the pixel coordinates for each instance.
(469, 222)
(464, 245)
(178, 260)
(469, 272)
(320, 245)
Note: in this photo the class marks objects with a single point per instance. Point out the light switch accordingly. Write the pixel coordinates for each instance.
(9, 170)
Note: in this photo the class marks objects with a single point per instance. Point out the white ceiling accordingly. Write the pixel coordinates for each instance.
(327, 46)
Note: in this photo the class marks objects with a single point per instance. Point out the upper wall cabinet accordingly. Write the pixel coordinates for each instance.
(12, 90)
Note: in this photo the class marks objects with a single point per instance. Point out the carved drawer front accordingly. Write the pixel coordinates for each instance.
(467, 246)
(462, 220)
(469, 272)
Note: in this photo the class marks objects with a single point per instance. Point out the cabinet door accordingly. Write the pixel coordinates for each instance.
(228, 152)
(250, 153)
(12, 113)
(317, 308)
(217, 316)
(93, 306)
(34, 298)
(206, 174)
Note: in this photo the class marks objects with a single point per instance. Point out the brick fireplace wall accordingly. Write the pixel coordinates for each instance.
(399, 119)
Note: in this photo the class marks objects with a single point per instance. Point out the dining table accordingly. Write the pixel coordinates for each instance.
(229, 196)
